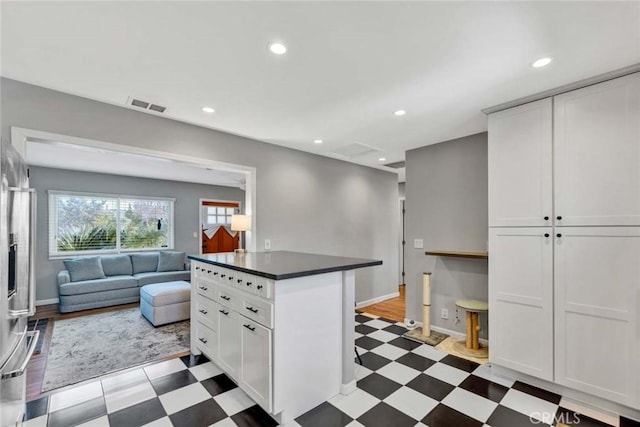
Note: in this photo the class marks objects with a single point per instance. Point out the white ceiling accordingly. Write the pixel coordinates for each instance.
(349, 65)
(74, 157)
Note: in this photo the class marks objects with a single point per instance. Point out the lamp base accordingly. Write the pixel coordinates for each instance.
(240, 251)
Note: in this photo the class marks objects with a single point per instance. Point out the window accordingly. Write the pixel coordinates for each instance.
(220, 215)
(83, 223)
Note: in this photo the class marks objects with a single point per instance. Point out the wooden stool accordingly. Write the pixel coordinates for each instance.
(471, 347)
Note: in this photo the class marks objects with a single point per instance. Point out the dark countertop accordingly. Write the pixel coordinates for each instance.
(280, 265)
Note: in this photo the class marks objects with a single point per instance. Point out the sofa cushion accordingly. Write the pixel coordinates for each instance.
(85, 268)
(116, 265)
(170, 261)
(160, 277)
(144, 262)
(89, 286)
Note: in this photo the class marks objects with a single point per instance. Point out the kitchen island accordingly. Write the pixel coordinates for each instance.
(281, 324)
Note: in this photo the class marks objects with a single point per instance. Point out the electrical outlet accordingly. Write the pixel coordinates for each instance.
(445, 313)
(267, 243)
(418, 244)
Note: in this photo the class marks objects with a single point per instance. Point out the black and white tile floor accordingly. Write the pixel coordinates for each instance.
(401, 383)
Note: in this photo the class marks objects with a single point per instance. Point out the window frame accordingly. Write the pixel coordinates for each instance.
(52, 224)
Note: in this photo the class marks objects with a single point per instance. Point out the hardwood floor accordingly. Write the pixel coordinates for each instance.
(392, 309)
(38, 363)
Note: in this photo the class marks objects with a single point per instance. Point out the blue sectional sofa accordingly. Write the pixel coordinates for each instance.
(100, 281)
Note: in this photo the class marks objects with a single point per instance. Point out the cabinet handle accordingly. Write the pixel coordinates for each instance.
(239, 280)
(224, 297)
(209, 271)
(215, 273)
(259, 287)
(559, 218)
(249, 327)
(251, 309)
(546, 234)
(223, 275)
(226, 313)
(204, 288)
(249, 283)
(204, 341)
(197, 268)
(203, 311)
(546, 218)
(558, 235)
(230, 278)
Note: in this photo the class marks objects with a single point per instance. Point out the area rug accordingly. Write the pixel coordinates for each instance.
(90, 346)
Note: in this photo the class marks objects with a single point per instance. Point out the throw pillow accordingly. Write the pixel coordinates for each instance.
(171, 261)
(144, 262)
(117, 265)
(86, 268)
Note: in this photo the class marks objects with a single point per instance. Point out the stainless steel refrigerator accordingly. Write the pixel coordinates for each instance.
(17, 292)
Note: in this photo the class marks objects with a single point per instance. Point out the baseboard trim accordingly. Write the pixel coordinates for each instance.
(346, 389)
(454, 334)
(48, 301)
(377, 300)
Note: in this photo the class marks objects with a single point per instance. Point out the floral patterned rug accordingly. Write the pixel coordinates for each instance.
(90, 346)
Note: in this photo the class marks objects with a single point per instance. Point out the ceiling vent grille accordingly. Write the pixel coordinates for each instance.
(355, 149)
(145, 105)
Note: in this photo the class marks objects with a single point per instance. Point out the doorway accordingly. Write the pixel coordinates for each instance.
(215, 224)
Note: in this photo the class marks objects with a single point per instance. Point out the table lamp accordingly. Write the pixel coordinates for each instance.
(240, 223)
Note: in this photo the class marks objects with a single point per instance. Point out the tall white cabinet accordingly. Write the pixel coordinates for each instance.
(564, 241)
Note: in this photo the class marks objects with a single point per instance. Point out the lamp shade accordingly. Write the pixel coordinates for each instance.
(240, 222)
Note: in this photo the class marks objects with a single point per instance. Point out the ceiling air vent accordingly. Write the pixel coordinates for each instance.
(145, 105)
(355, 149)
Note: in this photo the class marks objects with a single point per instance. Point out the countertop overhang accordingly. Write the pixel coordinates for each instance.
(280, 265)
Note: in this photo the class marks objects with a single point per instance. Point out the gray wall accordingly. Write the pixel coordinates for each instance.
(305, 202)
(187, 197)
(446, 205)
(402, 189)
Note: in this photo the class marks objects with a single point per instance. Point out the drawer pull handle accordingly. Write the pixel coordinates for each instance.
(546, 234)
(249, 283)
(259, 287)
(197, 268)
(223, 275)
(224, 297)
(203, 311)
(249, 327)
(251, 309)
(204, 341)
(204, 288)
(215, 273)
(209, 271)
(230, 278)
(226, 313)
(239, 280)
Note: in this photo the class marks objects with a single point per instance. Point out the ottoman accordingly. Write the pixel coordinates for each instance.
(167, 302)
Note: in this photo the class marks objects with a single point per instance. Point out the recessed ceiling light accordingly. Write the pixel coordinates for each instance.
(400, 112)
(208, 110)
(278, 48)
(318, 141)
(382, 159)
(539, 63)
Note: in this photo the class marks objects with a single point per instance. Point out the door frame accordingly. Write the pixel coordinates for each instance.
(201, 218)
(20, 137)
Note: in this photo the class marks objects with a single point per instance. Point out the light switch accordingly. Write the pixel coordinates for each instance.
(418, 243)
(267, 243)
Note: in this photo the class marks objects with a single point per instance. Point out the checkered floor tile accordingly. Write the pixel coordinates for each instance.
(400, 383)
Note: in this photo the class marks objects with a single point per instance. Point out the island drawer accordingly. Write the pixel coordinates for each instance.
(206, 339)
(256, 309)
(206, 288)
(259, 285)
(207, 312)
(228, 297)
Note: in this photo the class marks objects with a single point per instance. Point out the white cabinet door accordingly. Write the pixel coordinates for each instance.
(521, 300)
(597, 154)
(256, 362)
(520, 189)
(597, 292)
(228, 341)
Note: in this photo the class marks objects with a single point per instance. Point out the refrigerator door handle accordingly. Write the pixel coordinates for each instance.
(30, 310)
(23, 366)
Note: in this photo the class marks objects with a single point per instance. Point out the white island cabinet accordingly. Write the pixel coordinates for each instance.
(280, 324)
